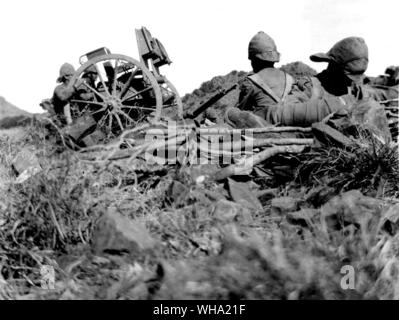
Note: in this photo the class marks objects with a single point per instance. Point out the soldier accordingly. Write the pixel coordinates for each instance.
(389, 79)
(89, 77)
(63, 92)
(263, 88)
(338, 89)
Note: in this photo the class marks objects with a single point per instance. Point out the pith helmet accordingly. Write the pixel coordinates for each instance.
(350, 53)
(66, 70)
(263, 47)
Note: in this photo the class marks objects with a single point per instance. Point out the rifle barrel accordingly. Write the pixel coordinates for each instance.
(195, 113)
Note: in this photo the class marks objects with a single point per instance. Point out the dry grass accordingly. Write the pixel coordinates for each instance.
(48, 220)
(372, 168)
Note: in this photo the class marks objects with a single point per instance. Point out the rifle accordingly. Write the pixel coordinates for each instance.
(201, 108)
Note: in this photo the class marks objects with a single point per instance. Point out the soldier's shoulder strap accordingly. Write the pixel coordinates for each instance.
(317, 91)
(289, 82)
(255, 78)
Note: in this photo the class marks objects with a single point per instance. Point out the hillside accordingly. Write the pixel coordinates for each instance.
(7, 109)
(10, 115)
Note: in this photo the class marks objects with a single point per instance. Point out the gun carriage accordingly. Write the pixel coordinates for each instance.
(116, 92)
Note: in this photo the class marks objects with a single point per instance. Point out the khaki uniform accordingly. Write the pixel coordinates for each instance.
(314, 98)
(260, 94)
(339, 89)
(61, 96)
(310, 102)
(63, 93)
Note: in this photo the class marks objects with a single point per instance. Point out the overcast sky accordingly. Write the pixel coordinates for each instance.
(203, 38)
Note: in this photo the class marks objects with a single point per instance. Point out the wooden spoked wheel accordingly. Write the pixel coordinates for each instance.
(116, 92)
